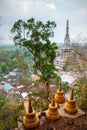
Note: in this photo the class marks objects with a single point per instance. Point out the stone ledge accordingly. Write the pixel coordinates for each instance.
(62, 114)
(65, 114)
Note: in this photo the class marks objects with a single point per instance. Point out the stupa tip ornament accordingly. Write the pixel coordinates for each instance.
(53, 101)
(70, 105)
(52, 113)
(30, 120)
(71, 94)
(60, 96)
(60, 84)
(30, 110)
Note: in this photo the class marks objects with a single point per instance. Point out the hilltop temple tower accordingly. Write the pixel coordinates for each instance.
(67, 39)
(66, 49)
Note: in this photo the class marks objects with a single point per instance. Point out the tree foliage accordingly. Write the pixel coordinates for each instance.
(4, 67)
(11, 60)
(81, 92)
(78, 61)
(35, 36)
(10, 109)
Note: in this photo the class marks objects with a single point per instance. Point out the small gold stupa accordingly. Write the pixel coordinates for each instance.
(70, 105)
(30, 120)
(59, 96)
(52, 113)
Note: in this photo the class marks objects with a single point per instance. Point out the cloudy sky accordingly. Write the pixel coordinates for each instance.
(53, 10)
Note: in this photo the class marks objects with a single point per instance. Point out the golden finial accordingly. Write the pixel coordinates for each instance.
(59, 84)
(53, 101)
(30, 110)
(71, 94)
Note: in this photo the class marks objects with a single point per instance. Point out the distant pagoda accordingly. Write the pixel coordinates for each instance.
(67, 39)
(66, 49)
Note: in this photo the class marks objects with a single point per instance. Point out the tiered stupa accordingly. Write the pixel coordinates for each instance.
(70, 105)
(30, 120)
(59, 96)
(52, 113)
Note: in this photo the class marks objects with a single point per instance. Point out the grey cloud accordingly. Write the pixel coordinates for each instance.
(12, 10)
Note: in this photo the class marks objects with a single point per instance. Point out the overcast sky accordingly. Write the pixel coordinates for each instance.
(53, 10)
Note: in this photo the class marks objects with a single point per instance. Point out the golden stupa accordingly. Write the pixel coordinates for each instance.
(70, 105)
(52, 113)
(59, 96)
(30, 120)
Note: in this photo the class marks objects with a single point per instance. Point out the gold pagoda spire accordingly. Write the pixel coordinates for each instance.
(71, 94)
(30, 110)
(52, 113)
(67, 39)
(70, 105)
(30, 120)
(60, 96)
(53, 101)
(60, 88)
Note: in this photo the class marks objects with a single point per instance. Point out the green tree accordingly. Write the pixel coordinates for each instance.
(22, 65)
(65, 86)
(35, 36)
(4, 67)
(78, 61)
(3, 56)
(13, 63)
(10, 109)
(25, 81)
(81, 92)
